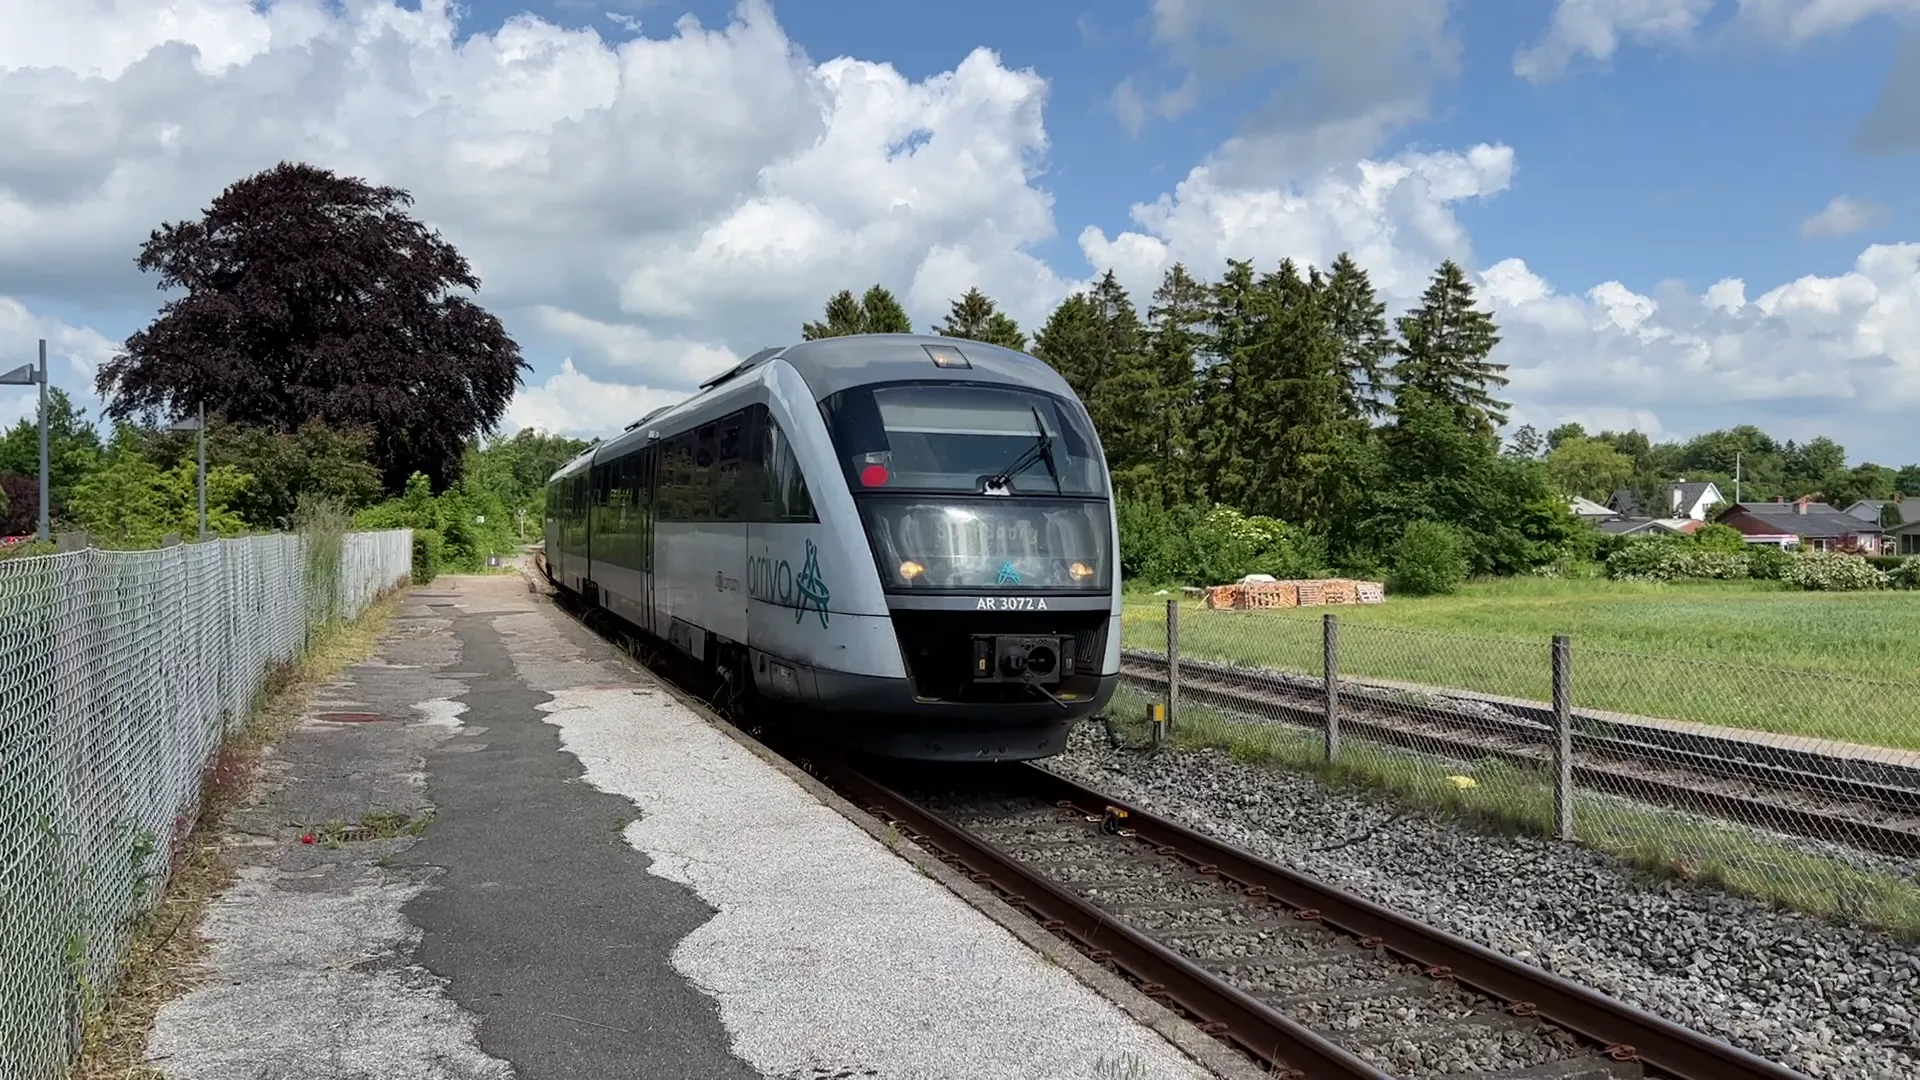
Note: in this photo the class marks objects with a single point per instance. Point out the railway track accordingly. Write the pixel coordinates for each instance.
(1298, 974)
(1864, 804)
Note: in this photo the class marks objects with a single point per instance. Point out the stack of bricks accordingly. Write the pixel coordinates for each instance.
(1268, 595)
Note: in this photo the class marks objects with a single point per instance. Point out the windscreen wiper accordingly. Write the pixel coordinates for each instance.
(1040, 451)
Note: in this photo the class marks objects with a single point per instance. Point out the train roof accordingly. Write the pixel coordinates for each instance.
(830, 365)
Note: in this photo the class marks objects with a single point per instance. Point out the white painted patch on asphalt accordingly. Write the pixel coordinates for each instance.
(827, 949)
(306, 985)
(441, 713)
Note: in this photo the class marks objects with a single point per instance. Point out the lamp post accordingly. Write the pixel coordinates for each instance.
(199, 424)
(28, 375)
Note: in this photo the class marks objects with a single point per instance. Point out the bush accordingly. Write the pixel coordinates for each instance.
(1888, 563)
(1830, 572)
(1768, 563)
(1668, 559)
(1430, 560)
(1220, 545)
(429, 554)
(1906, 575)
(1720, 538)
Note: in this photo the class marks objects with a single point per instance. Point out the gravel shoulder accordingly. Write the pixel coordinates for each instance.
(1837, 1003)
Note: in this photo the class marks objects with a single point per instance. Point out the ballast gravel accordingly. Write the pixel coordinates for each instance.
(1833, 1002)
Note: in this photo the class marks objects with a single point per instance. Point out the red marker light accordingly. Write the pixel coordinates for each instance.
(873, 476)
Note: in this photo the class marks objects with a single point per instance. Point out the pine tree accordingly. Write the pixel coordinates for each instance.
(1070, 342)
(1445, 343)
(883, 314)
(1292, 393)
(1225, 465)
(976, 317)
(877, 312)
(1176, 318)
(1358, 320)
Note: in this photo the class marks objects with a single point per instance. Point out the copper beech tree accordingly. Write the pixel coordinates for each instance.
(309, 296)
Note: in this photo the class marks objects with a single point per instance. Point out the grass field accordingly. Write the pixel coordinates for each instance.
(1744, 654)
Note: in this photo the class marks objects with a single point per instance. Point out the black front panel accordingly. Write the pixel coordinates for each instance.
(939, 648)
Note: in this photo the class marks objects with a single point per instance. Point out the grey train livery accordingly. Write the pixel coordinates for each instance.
(906, 542)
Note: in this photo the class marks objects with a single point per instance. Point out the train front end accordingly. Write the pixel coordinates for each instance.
(985, 502)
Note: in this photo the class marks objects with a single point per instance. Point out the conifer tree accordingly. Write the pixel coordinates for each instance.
(1444, 347)
(877, 312)
(975, 316)
(1175, 332)
(1358, 320)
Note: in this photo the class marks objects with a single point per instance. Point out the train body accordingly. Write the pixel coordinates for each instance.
(906, 542)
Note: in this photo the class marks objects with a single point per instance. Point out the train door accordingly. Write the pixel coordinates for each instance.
(648, 462)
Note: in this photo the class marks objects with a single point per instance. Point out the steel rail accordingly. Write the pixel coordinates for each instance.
(1203, 685)
(1628, 1033)
(1887, 784)
(1225, 1011)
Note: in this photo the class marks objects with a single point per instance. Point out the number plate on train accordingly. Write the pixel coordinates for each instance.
(1010, 603)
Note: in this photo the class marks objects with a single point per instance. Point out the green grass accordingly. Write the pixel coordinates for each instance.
(1742, 654)
(1503, 797)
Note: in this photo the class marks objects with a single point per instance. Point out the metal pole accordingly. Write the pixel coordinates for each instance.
(203, 471)
(1173, 660)
(1330, 671)
(1563, 737)
(46, 530)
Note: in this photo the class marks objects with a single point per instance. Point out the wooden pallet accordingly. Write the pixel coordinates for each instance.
(1268, 595)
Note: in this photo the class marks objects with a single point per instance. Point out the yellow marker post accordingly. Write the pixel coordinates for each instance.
(1157, 721)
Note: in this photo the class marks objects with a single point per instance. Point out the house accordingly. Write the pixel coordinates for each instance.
(1638, 526)
(1869, 510)
(1816, 526)
(1588, 510)
(1683, 500)
(1904, 539)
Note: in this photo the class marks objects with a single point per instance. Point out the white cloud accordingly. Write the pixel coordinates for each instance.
(573, 404)
(1354, 70)
(1393, 216)
(1842, 215)
(1597, 28)
(1830, 354)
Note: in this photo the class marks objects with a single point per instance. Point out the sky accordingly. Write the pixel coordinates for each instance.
(1684, 214)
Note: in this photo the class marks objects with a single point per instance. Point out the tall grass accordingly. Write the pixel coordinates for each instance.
(323, 524)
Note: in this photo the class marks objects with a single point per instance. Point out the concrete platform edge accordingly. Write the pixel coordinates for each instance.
(1203, 1049)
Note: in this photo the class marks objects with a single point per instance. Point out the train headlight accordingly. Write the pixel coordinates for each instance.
(910, 570)
(1080, 571)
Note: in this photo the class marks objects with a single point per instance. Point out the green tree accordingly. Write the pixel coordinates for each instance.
(73, 451)
(1526, 443)
(1174, 337)
(1589, 468)
(1444, 347)
(976, 317)
(129, 502)
(1358, 321)
(876, 312)
(1564, 432)
(1226, 454)
(313, 460)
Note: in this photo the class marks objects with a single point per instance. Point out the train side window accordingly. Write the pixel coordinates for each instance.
(729, 494)
(783, 487)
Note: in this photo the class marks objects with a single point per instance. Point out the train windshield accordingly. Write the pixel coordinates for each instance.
(962, 437)
(990, 543)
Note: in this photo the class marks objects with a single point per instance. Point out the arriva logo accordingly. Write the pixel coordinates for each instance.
(773, 581)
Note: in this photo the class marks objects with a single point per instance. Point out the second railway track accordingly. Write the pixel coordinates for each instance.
(1868, 806)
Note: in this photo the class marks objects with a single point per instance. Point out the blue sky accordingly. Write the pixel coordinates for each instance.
(1599, 203)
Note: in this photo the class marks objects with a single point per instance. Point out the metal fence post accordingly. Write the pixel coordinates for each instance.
(1173, 661)
(1330, 671)
(1563, 736)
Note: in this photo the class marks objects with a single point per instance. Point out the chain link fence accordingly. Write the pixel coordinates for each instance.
(120, 672)
(1796, 787)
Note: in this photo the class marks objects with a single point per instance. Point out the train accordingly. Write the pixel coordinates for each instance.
(903, 544)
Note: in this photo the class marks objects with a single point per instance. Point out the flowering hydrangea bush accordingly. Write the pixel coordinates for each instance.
(1828, 571)
(1661, 560)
